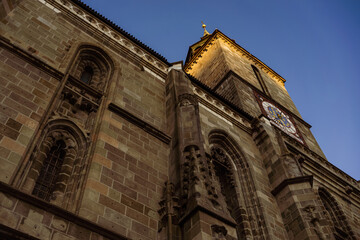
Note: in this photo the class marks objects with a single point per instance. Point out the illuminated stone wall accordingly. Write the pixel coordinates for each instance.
(148, 151)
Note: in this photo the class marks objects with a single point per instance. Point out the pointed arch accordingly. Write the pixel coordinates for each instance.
(237, 184)
(335, 215)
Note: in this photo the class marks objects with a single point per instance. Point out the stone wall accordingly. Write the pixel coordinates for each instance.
(127, 160)
(26, 92)
(148, 139)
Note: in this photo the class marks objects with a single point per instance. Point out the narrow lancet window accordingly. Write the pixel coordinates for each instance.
(49, 172)
(87, 74)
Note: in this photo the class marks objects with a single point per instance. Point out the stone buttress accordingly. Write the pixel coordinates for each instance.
(193, 206)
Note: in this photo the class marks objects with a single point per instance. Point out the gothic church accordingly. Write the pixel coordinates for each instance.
(102, 138)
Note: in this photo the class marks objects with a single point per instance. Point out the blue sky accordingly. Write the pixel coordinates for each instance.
(313, 44)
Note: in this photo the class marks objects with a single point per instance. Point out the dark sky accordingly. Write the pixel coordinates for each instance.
(313, 44)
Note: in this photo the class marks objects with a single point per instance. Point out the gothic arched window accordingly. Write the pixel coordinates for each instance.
(87, 74)
(92, 67)
(54, 171)
(50, 170)
(233, 173)
(336, 216)
(224, 173)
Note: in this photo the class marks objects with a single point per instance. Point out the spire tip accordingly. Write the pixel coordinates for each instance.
(204, 27)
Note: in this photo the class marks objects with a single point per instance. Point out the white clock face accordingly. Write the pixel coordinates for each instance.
(279, 118)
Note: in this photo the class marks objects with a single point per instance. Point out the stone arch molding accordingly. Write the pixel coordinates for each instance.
(335, 215)
(245, 208)
(98, 61)
(66, 190)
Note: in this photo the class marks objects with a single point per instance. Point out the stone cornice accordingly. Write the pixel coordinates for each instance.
(109, 29)
(291, 181)
(216, 35)
(4, 42)
(320, 164)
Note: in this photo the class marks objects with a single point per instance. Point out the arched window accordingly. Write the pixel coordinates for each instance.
(54, 169)
(50, 170)
(234, 176)
(224, 174)
(336, 216)
(87, 74)
(93, 67)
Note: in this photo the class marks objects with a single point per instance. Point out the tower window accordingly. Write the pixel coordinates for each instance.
(49, 172)
(87, 74)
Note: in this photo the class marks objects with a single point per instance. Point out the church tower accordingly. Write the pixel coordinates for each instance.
(245, 164)
(102, 138)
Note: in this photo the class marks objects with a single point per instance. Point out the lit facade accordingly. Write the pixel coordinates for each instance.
(102, 138)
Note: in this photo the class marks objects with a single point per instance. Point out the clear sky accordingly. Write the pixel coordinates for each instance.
(313, 44)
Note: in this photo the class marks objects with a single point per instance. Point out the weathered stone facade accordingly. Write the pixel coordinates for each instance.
(102, 138)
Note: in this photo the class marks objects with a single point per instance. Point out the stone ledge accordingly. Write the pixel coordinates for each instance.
(204, 209)
(9, 233)
(6, 43)
(290, 181)
(48, 207)
(140, 123)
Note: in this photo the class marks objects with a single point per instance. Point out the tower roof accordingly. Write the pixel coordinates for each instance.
(197, 49)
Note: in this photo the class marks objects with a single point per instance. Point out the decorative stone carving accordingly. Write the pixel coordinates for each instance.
(187, 99)
(218, 232)
(313, 217)
(219, 156)
(292, 167)
(169, 206)
(74, 105)
(191, 175)
(65, 136)
(97, 64)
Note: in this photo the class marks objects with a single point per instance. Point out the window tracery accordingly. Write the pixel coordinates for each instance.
(49, 172)
(237, 186)
(225, 177)
(53, 171)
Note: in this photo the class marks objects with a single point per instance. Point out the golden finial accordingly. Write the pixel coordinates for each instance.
(204, 27)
